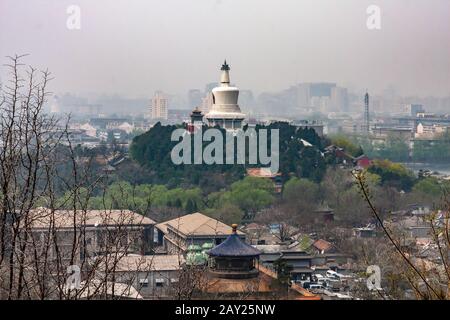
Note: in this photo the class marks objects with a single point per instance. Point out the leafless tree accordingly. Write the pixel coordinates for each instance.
(38, 164)
(427, 279)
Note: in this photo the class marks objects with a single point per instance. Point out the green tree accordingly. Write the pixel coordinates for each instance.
(393, 174)
(301, 199)
(228, 213)
(191, 206)
(347, 144)
(437, 150)
(394, 149)
(302, 190)
(429, 186)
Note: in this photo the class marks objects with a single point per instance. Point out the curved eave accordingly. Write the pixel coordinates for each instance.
(223, 255)
(234, 247)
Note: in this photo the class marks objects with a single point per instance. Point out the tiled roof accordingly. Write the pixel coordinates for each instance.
(158, 262)
(42, 217)
(322, 245)
(196, 224)
(96, 287)
(233, 246)
(261, 173)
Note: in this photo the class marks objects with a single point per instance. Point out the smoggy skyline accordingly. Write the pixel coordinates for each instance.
(135, 47)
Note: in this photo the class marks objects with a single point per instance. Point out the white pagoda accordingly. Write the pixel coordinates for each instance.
(225, 111)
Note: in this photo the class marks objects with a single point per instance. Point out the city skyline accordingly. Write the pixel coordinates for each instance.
(136, 49)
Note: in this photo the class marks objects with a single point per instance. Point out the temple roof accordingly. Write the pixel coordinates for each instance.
(233, 246)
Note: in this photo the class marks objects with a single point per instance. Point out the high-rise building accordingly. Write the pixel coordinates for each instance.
(225, 111)
(303, 96)
(321, 96)
(366, 113)
(321, 89)
(413, 109)
(339, 99)
(159, 106)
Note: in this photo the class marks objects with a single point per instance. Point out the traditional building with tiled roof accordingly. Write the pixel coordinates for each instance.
(177, 234)
(234, 271)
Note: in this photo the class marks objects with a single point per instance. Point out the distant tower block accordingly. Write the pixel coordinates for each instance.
(366, 114)
(159, 106)
(225, 111)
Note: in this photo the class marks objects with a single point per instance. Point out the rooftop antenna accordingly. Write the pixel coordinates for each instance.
(366, 113)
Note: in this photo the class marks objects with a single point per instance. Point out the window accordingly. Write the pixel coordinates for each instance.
(159, 282)
(143, 282)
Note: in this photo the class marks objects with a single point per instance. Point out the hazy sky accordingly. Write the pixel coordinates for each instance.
(133, 47)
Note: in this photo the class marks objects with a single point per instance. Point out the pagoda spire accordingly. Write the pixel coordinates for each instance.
(225, 77)
(225, 66)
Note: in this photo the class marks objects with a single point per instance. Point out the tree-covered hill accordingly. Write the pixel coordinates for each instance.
(152, 150)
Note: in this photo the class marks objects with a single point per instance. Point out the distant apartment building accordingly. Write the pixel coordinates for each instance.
(322, 96)
(413, 109)
(404, 133)
(75, 136)
(339, 99)
(430, 131)
(159, 106)
(107, 123)
(316, 125)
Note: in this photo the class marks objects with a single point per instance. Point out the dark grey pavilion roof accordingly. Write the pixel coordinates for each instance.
(233, 246)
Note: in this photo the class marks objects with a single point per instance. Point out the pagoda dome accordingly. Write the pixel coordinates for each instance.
(233, 246)
(233, 258)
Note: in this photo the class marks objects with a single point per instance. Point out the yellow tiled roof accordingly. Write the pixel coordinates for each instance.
(158, 262)
(42, 217)
(196, 224)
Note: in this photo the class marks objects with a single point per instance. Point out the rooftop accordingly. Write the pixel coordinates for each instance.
(262, 173)
(196, 224)
(43, 217)
(322, 245)
(233, 246)
(158, 262)
(119, 290)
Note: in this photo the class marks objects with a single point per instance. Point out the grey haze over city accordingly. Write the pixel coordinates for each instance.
(133, 48)
(226, 150)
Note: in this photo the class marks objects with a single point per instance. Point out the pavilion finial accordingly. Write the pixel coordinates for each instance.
(234, 226)
(225, 66)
